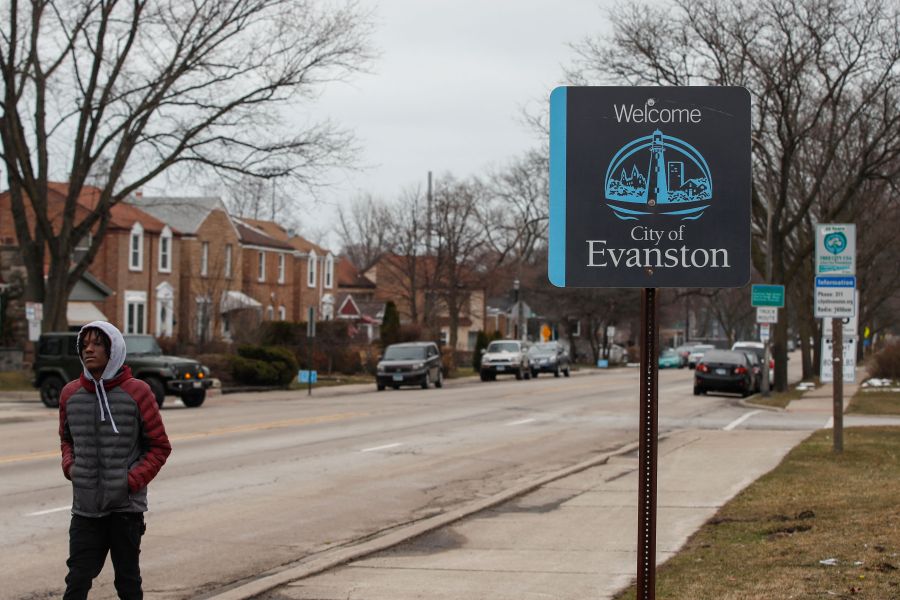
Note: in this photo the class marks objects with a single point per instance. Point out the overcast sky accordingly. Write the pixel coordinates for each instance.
(447, 91)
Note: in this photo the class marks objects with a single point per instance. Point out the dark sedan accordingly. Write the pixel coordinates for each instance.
(548, 357)
(724, 371)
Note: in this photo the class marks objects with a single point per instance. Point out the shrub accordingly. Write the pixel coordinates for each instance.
(481, 343)
(280, 360)
(255, 372)
(886, 362)
(390, 325)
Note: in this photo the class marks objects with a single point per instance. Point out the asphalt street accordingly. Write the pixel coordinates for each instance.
(259, 482)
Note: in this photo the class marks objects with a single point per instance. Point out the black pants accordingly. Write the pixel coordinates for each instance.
(90, 539)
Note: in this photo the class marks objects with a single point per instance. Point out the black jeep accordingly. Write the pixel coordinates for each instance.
(57, 363)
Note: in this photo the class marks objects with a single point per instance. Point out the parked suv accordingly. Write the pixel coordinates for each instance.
(413, 363)
(548, 357)
(57, 363)
(505, 356)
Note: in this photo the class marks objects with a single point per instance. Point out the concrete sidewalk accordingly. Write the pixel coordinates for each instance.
(572, 537)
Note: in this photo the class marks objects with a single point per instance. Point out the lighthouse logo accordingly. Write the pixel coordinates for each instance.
(658, 174)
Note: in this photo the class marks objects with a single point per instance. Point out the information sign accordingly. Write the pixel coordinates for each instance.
(764, 332)
(835, 297)
(308, 376)
(649, 187)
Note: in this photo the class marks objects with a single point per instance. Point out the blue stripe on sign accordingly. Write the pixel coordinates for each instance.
(556, 265)
(837, 282)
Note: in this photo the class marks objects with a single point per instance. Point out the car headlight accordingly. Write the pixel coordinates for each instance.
(379, 367)
(418, 365)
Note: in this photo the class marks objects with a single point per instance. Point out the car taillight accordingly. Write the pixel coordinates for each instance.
(200, 375)
(771, 363)
(740, 370)
(187, 375)
(703, 368)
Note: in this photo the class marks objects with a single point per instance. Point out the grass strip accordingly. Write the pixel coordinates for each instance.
(777, 399)
(875, 403)
(769, 542)
(15, 381)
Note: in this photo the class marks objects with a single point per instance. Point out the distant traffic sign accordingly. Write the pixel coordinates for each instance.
(835, 249)
(767, 295)
(766, 314)
(835, 297)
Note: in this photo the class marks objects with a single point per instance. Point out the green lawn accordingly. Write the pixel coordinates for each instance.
(15, 381)
(769, 541)
(875, 403)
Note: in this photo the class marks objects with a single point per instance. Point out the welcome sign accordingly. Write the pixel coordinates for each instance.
(649, 187)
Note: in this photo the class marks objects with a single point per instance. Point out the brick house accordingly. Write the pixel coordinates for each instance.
(137, 261)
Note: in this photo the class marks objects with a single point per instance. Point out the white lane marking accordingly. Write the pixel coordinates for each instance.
(48, 511)
(385, 447)
(522, 422)
(740, 420)
(829, 423)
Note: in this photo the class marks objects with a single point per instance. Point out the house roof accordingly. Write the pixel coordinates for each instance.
(255, 237)
(122, 215)
(184, 212)
(348, 276)
(270, 228)
(304, 245)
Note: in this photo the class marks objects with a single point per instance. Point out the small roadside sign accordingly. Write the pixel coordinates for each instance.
(835, 249)
(764, 330)
(766, 314)
(308, 376)
(851, 324)
(835, 297)
(826, 373)
(767, 295)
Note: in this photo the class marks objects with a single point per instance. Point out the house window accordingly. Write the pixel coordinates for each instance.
(204, 318)
(311, 269)
(228, 261)
(329, 271)
(136, 248)
(576, 329)
(270, 313)
(165, 250)
(165, 308)
(82, 247)
(262, 266)
(282, 313)
(204, 259)
(135, 312)
(281, 268)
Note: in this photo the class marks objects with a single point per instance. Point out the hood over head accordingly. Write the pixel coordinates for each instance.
(116, 349)
(116, 360)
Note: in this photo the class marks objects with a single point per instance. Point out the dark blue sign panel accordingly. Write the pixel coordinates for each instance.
(649, 187)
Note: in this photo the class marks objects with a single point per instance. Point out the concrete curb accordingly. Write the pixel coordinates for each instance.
(747, 404)
(339, 556)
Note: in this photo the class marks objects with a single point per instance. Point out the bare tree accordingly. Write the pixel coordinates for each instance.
(823, 76)
(141, 87)
(363, 229)
(458, 241)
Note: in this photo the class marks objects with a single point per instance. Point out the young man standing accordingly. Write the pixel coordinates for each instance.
(113, 444)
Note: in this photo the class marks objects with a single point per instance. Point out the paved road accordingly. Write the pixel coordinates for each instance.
(259, 482)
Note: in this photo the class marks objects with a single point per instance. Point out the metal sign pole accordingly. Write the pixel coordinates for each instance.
(837, 370)
(646, 555)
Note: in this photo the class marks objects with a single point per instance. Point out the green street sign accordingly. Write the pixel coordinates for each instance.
(767, 295)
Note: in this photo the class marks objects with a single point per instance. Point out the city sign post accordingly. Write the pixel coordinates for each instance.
(767, 295)
(649, 188)
(766, 298)
(836, 298)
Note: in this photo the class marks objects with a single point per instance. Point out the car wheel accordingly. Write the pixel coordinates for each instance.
(535, 374)
(426, 380)
(697, 391)
(51, 388)
(395, 386)
(556, 372)
(193, 398)
(379, 386)
(485, 377)
(527, 373)
(440, 380)
(158, 389)
(519, 374)
(566, 372)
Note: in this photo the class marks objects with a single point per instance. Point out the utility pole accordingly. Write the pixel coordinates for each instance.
(428, 291)
(837, 370)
